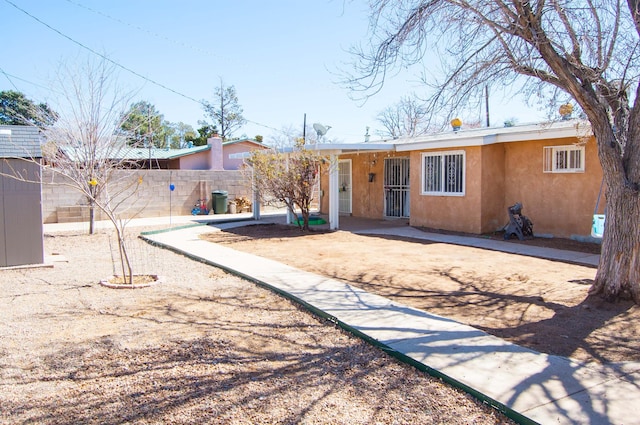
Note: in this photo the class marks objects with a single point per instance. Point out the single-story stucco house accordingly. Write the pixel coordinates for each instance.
(465, 180)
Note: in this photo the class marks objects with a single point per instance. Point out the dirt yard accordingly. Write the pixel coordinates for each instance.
(207, 347)
(536, 303)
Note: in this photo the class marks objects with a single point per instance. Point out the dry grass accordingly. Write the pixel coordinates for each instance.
(202, 347)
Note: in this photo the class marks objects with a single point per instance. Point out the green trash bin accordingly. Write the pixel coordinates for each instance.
(219, 201)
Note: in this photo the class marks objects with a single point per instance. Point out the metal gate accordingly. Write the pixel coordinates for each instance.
(396, 187)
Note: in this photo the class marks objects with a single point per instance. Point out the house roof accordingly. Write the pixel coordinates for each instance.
(20, 141)
(159, 153)
(461, 138)
(465, 138)
(492, 135)
(253, 142)
(140, 153)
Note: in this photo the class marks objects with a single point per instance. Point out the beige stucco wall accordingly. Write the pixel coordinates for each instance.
(459, 213)
(367, 197)
(492, 207)
(559, 204)
(497, 176)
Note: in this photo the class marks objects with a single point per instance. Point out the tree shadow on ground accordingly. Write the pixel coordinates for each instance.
(242, 371)
(566, 330)
(547, 319)
(268, 231)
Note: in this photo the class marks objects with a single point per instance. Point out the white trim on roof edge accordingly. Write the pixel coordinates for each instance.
(454, 140)
(489, 136)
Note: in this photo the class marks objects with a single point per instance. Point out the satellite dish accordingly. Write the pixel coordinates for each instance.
(320, 129)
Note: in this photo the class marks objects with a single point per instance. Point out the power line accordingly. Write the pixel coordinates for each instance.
(137, 74)
(148, 32)
(9, 79)
(15, 77)
(119, 65)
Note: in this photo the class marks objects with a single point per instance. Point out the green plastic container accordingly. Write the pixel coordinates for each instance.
(219, 201)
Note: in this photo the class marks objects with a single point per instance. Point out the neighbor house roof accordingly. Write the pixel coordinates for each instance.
(20, 141)
(250, 141)
(159, 153)
(139, 153)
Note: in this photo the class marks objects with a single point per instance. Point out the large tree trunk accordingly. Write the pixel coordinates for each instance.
(618, 275)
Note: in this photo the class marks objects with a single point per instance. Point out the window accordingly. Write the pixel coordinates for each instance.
(564, 159)
(443, 173)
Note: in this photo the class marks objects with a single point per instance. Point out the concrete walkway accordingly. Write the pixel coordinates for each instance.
(542, 388)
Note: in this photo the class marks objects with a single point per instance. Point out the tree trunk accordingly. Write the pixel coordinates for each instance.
(125, 264)
(92, 210)
(618, 275)
(305, 219)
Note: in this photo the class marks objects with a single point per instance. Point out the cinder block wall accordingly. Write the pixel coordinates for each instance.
(153, 198)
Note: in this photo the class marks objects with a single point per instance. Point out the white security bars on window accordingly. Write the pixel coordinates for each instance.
(564, 159)
(443, 173)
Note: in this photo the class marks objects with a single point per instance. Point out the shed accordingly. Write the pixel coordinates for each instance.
(21, 229)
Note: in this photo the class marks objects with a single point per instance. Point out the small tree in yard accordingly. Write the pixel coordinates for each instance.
(287, 177)
(586, 51)
(84, 149)
(225, 111)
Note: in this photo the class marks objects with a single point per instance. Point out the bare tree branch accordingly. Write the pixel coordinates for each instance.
(585, 50)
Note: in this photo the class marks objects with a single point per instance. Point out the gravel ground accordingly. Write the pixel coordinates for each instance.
(202, 346)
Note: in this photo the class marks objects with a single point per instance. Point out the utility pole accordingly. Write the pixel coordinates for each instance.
(486, 102)
(149, 135)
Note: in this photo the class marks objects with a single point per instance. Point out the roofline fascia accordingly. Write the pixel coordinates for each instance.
(468, 140)
(340, 148)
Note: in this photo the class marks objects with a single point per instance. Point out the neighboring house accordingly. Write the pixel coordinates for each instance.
(190, 158)
(21, 231)
(207, 157)
(465, 180)
(238, 147)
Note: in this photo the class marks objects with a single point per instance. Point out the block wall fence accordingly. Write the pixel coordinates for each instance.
(154, 197)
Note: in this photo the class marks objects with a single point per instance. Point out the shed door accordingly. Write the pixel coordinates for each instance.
(344, 180)
(396, 187)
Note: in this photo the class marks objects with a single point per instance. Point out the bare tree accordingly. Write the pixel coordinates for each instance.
(289, 176)
(585, 50)
(405, 118)
(85, 149)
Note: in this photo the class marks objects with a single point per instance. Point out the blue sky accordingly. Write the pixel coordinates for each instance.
(282, 56)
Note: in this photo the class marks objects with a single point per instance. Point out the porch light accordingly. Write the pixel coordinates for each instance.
(565, 111)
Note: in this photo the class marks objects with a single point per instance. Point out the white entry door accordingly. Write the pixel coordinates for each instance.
(344, 180)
